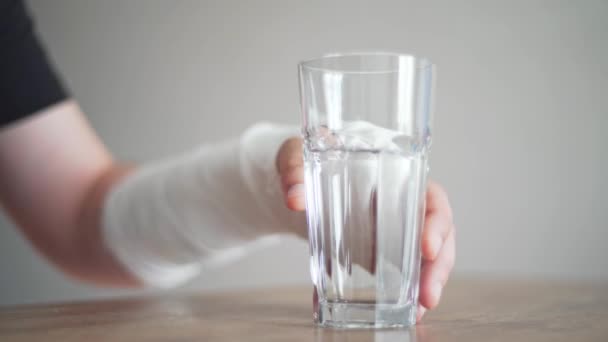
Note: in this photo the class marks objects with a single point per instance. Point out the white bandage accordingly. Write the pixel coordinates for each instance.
(168, 221)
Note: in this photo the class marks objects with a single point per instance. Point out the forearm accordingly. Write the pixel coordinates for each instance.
(92, 261)
(158, 223)
(171, 219)
(54, 174)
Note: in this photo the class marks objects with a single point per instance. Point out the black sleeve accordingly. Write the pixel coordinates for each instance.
(28, 82)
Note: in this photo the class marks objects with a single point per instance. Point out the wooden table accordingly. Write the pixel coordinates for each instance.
(471, 310)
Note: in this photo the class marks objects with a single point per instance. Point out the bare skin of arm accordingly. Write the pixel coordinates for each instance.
(54, 174)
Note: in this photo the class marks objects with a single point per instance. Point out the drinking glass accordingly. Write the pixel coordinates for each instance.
(367, 132)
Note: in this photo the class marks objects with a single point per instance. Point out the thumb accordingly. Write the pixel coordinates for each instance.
(290, 165)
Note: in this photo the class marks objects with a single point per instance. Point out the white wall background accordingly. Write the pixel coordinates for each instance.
(520, 128)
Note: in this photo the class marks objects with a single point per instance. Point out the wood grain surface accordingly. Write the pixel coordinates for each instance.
(472, 309)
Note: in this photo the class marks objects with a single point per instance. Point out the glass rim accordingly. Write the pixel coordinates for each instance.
(422, 62)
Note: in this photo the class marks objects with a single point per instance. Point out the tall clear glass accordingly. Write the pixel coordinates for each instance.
(367, 132)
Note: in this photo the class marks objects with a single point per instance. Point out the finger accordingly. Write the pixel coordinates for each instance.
(291, 170)
(438, 220)
(437, 200)
(420, 312)
(435, 274)
(436, 229)
(295, 197)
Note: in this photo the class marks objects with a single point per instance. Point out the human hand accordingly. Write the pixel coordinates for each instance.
(438, 241)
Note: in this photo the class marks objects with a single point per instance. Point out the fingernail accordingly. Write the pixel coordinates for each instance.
(436, 292)
(296, 190)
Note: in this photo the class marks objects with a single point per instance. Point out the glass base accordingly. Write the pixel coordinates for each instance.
(365, 316)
